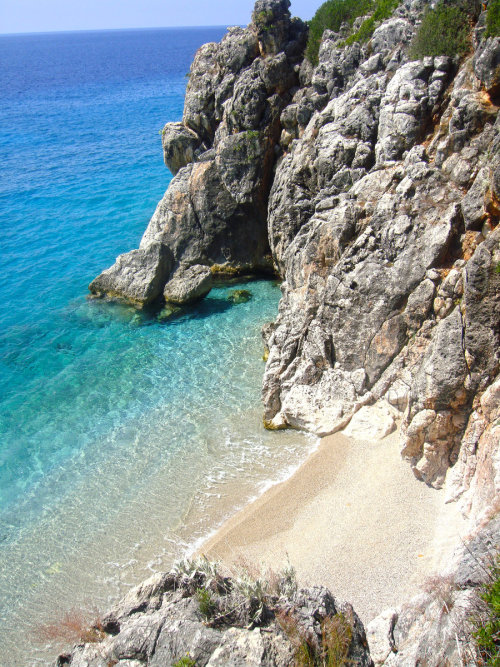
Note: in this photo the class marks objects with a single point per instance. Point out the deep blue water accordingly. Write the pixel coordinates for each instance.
(118, 429)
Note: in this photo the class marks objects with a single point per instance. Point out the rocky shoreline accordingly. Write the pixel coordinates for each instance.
(371, 185)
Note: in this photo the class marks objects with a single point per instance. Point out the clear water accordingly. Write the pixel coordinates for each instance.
(124, 438)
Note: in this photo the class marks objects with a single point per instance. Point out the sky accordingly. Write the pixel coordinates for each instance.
(53, 15)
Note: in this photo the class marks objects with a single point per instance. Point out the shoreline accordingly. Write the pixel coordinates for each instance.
(352, 518)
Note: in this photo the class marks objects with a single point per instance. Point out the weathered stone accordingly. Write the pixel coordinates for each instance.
(406, 108)
(371, 422)
(179, 146)
(188, 284)
(419, 304)
(379, 634)
(171, 626)
(487, 65)
(271, 23)
(138, 275)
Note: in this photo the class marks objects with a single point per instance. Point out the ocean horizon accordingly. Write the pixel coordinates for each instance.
(126, 436)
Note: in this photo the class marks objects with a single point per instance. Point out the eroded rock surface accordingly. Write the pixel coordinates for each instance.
(162, 621)
(383, 223)
(214, 212)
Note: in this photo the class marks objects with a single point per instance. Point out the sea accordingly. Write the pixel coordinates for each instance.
(126, 437)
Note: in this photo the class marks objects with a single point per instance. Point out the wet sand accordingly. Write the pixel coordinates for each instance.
(352, 518)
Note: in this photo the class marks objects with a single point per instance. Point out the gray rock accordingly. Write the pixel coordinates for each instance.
(411, 98)
(345, 285)
(188, 284)
(169, 625)
(179, 146)
(487, 65)
(138, 275)
(473, 204)
(222, 154)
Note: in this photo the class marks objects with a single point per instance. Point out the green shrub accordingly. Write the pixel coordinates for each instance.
(487, 636)
(331, 15)
(383, 9)
(207, 606)
(444, 31)
(186, 661)
(493, 19)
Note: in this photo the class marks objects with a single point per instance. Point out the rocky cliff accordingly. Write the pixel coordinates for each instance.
(371, 185)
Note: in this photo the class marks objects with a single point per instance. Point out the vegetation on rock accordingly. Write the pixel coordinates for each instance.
(330, 16)
(487, 635)
(186, 661)
(382, 10)
(493, 19)
(445, 30)
(240, 296)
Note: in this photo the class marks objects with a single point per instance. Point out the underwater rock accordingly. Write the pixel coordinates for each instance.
(239, 296)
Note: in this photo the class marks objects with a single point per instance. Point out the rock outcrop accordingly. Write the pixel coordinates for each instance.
(214, 213)
(383, 222)
(216, 622)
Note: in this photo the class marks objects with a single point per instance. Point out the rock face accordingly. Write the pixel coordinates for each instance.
(383, 219)
(165, 620)
(222, 154)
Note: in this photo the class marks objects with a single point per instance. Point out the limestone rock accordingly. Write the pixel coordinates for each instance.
(487, 65)
(411, 98)
(222, 155)
(188, 284)
(379, 633)
(161, 622)
(179, 146)
(371, 422)
(139, 275)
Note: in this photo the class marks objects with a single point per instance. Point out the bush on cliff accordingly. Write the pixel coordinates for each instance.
(383, 10)
(445, 30)
(493, 19)
(331, 15)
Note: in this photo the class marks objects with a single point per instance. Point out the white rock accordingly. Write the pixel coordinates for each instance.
(372, 422)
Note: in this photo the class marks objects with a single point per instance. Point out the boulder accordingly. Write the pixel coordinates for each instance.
(188, 284)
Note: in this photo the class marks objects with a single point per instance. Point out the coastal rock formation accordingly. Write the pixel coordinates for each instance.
(383, 222)
(209, 618)
(222, 154)
(371, 185)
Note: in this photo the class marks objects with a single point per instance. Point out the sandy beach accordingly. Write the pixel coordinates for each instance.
(352, 518)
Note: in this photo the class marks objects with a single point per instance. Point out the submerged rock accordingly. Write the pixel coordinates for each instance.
(239, 296)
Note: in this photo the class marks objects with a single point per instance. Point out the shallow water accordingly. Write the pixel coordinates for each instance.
(124, 437)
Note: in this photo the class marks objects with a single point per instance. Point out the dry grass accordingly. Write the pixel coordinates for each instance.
(75, 626)
(442, 589)
(336, 638)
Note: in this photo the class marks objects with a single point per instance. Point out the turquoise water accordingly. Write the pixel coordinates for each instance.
(124, 437)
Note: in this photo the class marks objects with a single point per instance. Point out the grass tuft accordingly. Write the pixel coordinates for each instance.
(487, 633)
